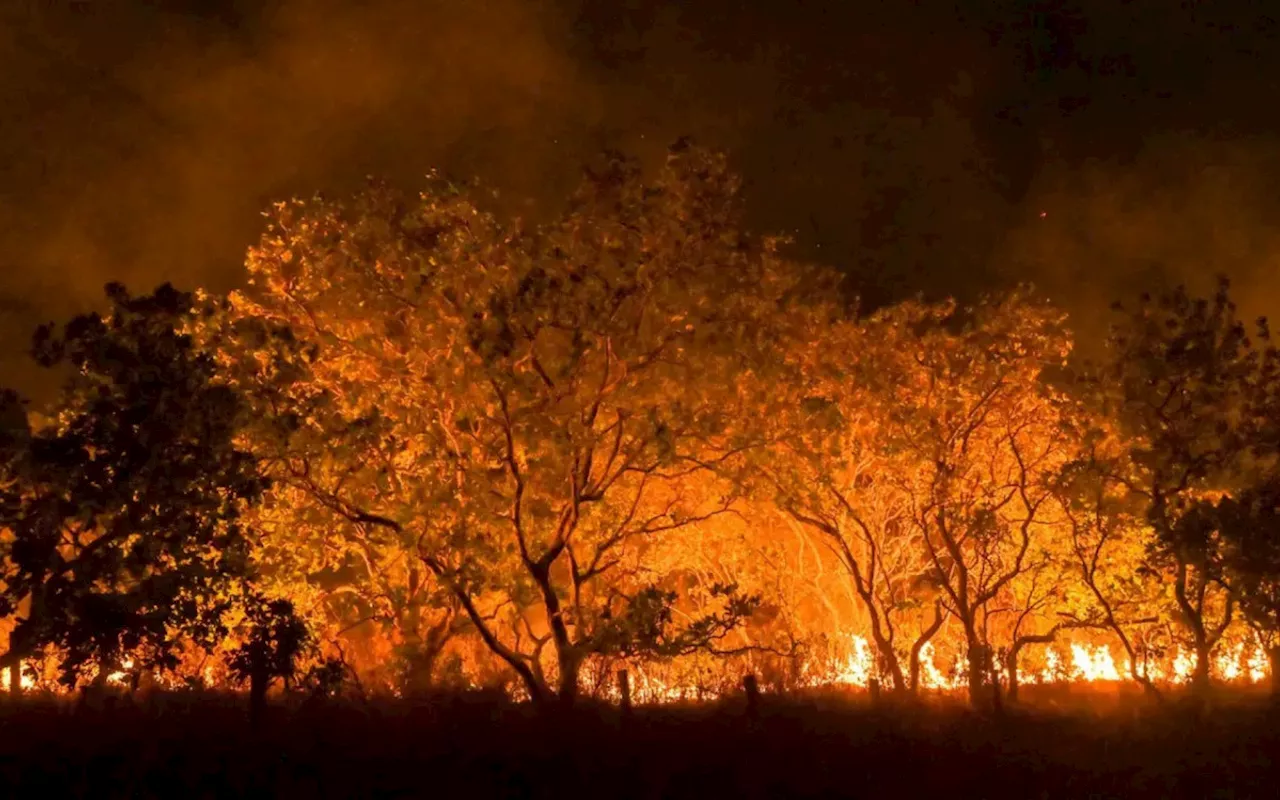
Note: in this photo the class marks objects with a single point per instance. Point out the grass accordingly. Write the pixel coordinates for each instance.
(192, 745)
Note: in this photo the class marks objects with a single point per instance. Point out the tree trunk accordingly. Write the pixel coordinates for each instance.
(979, 658)
(887, 658)
(924, 638)
(1011, 666)
(418, 674)
(1138, 664)
(889, 664)
(568, 659)
(533, 683)
(1015, 652)
(1273, 660)
(914, 667)
(752, 688)
(1200, 675)
(993, 683)
(423, 651)
(1193, 619)
(258, 681)
(420, 666)
(570, 664)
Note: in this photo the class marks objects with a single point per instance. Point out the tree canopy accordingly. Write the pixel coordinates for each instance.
(123, 507)
(441, 448)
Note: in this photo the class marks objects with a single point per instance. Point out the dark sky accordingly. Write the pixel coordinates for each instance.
(1095, 147)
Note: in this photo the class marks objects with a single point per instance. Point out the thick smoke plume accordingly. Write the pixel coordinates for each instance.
(149, 142)
(1091, 147)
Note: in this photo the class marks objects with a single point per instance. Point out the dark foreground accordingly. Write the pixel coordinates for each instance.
(190, 746)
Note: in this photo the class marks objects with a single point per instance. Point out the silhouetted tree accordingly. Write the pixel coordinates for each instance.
(275, 641)
(1250, 525)
(121, 507)
(1189, 387)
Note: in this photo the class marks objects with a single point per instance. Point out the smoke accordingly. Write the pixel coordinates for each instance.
(150, 142)
(1185, 210)
(904, 143)
(146, 143)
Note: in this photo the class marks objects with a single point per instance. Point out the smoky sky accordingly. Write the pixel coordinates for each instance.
(1095, 147)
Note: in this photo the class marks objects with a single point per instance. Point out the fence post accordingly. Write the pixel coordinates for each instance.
(752, 687)
(624, 690)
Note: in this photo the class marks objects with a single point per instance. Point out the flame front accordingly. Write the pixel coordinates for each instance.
(1093, 664)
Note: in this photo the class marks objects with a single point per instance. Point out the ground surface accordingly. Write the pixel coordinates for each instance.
(189, 747)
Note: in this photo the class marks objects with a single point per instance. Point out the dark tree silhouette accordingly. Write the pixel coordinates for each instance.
(121, 505)
(1250, 525)
(1190, 389)
(275, 641)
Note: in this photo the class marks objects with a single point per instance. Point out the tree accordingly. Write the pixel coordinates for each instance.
(833, 472)
(970, 429)
(520, 409)
(1189, 389)
(1250, 524)
(123, 506)
(1109, 542)
(274, 642)
(807, 607)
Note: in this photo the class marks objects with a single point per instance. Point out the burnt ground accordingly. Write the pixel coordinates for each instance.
(196, 746)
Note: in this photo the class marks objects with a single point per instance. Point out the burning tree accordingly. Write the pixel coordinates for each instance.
(972, 429)
(921, 448)
(354, 580)
(1191, 394)
(1109, 542)
(833, 473)
(519, 411)
(1250, 524)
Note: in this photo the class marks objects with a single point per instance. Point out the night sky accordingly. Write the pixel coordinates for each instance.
(1096, 147)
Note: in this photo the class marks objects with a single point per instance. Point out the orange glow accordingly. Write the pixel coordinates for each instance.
(858, 668)
(1183, 665)
(930, 676)
(28, 682)
(1092, 663)
(1257, 666)
(120, 677)
(1065, 661)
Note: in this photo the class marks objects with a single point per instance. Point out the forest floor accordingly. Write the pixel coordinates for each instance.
(1076, 746)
